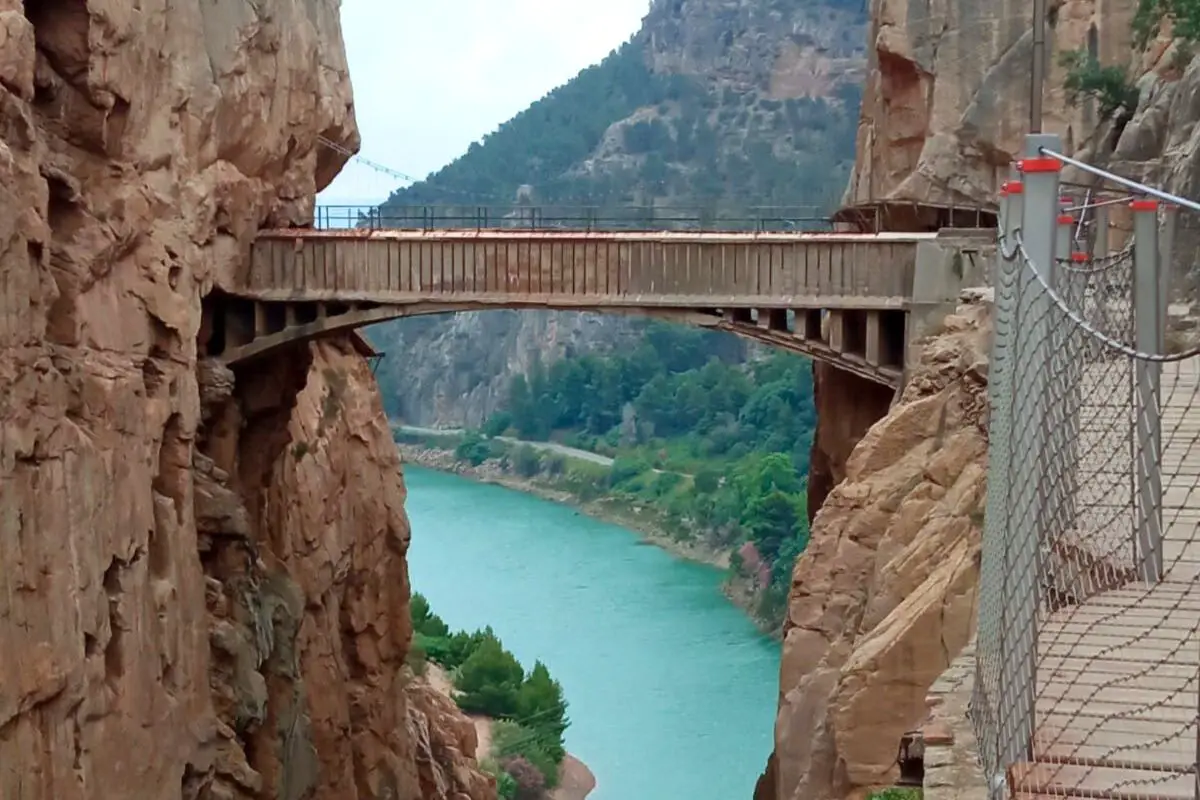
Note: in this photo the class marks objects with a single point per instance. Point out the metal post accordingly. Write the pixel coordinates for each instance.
(1038, 71)
(1166, 254)
(1066, 356)
(1033, 335)
(1100, 248)
(1148, 336)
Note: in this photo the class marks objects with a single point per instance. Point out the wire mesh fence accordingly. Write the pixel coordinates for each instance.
(1089, 608)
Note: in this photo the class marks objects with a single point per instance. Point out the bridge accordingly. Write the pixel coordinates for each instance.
(854, 300)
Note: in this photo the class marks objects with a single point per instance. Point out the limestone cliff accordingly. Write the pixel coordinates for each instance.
(194, 607)
(946, 102)
(884, 596)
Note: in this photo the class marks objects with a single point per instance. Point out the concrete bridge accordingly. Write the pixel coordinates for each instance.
(854, 300)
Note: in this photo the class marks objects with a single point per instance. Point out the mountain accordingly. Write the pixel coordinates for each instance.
(724, 105)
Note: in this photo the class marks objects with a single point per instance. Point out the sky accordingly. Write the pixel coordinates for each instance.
(432, 76)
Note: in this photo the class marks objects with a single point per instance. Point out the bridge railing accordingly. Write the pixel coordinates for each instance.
(1089, 597)
(581, 218)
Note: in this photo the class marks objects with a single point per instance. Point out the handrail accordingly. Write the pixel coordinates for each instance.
(1128, 183)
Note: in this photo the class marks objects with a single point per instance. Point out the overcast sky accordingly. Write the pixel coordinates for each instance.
(432, 76)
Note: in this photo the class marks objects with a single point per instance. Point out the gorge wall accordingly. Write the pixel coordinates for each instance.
(186, 613)
(883, 599)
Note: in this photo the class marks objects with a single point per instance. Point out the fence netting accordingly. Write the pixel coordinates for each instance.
(1089, 605)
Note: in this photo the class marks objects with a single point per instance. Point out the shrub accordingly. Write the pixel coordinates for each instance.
(513, 739)
(526, 461)
(473, 449)
(497, 424)
(624, 470)
(529, 781)
(1109, 86)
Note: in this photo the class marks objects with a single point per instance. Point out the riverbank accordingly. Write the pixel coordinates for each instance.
(575, 780)
(642, 519)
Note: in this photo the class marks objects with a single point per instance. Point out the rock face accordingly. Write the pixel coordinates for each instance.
(946, 103)
(189, 613)
(883, 599)
(454, 371)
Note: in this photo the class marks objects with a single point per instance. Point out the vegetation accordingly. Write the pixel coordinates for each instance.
(527, 738)
(717, 443)
(896, 793)
(680, 149)
(1184, 16)
(1109, 86)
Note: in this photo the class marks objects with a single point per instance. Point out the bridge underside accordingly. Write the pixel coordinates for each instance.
(867, 342)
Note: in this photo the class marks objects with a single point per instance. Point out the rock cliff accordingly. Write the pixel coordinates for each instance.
(946, 101)
(883, 599)
(199, 602)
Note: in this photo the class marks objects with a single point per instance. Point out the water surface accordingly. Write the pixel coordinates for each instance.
(671, 689)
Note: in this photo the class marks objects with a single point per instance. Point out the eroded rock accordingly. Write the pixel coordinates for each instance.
(883, 599)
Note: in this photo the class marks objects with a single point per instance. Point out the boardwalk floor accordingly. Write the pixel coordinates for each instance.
(1118, 673)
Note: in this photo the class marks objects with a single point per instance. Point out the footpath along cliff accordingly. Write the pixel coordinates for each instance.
(205, 590)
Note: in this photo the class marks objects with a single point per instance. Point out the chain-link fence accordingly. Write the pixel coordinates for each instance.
(1089, 608)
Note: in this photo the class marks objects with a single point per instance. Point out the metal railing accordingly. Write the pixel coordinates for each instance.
(579, 218)
(1089, 598)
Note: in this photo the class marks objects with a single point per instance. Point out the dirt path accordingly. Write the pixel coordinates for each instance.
(551, 447)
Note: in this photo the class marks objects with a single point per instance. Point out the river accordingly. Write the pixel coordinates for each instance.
(671, 689)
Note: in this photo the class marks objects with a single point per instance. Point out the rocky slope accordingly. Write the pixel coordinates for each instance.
(186, 613)
(731, 104)
(883, 599)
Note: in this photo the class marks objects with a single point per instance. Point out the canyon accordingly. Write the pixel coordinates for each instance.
(186, 606)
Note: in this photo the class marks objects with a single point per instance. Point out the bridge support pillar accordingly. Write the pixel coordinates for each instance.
(874, 345)
(260, 319)
(837, 330)
(745, 315)
(773, 319)
(289, 316)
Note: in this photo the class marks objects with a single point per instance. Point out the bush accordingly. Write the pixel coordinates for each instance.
(473, 449)
(624, 470)
(1109, 86)
(511, 739)
(529, 781)
(526, 461)
(497, 424)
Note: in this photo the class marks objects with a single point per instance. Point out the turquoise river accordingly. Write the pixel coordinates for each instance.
(671, 689)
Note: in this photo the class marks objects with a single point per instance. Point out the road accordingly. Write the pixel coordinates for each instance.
(550, 447)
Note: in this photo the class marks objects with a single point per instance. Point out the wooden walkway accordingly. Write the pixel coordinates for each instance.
(1117, 674)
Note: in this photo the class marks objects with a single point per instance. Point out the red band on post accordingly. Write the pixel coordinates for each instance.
(1144, 205)
(1066, 219)
(1030, 165)
(1015, 187)
(1079, 257)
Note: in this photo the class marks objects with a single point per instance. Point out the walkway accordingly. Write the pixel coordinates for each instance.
(1117, 674)
(844, 298)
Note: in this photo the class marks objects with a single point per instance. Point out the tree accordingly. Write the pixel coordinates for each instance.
(542, 708)
(489, 680)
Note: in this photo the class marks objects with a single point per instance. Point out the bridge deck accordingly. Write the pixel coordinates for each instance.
(570, 269)
(1117, 695)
